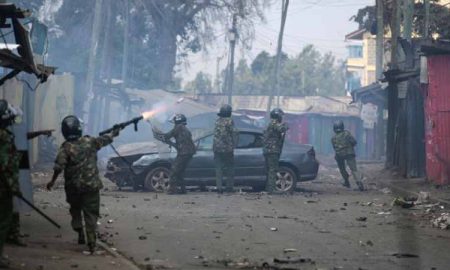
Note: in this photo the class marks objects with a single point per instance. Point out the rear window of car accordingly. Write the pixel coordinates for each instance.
(249, 140)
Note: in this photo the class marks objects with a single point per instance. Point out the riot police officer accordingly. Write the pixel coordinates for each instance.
(9, 174)
(273, 143)
(77, 157)
(344, 146)
(223, 147)
(185, 150)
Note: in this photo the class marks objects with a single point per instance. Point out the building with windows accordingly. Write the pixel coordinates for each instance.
(360, 63)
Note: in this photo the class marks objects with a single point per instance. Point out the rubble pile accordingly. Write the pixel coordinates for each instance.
(442, 222)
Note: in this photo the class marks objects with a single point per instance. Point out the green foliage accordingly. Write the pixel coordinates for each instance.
(308, 73)
(439, 18)
(201, 84)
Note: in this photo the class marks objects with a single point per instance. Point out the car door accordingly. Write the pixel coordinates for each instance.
(202, 163)
(248, 156)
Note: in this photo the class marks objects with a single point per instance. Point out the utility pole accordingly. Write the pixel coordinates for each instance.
(218, 80)
(88, 112)
(232, 36)
(408, 7)
(284, 9)
(380, 39)
(393, 90)
(125, 43)
(427, 19)
(106, 65)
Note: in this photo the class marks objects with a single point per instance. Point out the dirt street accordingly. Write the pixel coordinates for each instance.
(321, 226)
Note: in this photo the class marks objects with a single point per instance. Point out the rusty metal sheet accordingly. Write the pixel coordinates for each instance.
(437, 108)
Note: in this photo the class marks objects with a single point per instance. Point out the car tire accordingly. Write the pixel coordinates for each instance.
(286, 180)
(157, 179)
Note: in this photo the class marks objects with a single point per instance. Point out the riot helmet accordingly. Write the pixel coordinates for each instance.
(7, 114)
(71, 127)
(277, 114)
(179, 119)
(225, 111)
(338, 126)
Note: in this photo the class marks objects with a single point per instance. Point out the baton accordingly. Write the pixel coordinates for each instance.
(39, 211)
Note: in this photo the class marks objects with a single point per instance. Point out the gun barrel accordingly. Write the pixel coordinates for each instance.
(122, 125)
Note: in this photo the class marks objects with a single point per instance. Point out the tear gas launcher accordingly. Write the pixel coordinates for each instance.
(123, 125)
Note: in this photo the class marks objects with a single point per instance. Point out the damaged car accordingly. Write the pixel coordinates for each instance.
(151, 171)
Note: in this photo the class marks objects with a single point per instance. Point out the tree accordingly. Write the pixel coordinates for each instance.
(202, 84)
(308, 73)
(163, 32)
(439, 19)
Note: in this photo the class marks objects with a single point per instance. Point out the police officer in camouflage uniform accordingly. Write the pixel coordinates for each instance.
(273, 144)
(185, 150)
(343, 144)
(9, 174)
(77, 157)
(223, 147)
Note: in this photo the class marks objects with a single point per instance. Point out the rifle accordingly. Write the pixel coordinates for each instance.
(39, 211)
(123, 125)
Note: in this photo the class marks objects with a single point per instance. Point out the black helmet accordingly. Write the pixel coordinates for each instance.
(7, 114)
(225, 111)
(71, 127)
(338, 126)
(179, 119)
(277, 114)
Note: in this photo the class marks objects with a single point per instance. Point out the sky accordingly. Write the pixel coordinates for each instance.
(323, 23)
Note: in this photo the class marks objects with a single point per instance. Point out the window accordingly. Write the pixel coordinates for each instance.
(249, 140)
(355, 51)
(205, 143)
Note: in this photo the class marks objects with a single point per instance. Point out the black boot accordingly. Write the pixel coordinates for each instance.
(92, 247)
(81, 237)
(360, 185)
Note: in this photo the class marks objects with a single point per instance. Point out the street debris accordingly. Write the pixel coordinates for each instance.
(442, 222)
(386, 190)
(424, 197)
(274, 229)
(292, 260)
(402, 203)
(362, 219)
(142, 237)
(405, 255)
(287, 250)
(110, 221)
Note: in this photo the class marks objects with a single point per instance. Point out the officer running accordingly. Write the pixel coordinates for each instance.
(9, 174)
(185, 150)
(344, 146)
(273, 145)
(77, 157)
(223, 147)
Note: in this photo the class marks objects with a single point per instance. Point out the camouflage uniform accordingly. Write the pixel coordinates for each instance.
(223, 148)
(343, 144)
(78, 159)
(273, 144)
(9, 182)
(185, 150)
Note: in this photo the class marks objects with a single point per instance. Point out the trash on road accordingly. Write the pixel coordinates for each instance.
(142, 237)
(405, 255)
(361, 219)
(424, 197)
(292, 260)
(110, 221)
(386, 190)
(402, 203)
(287, 250)
(274, 229)
(442, 222)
